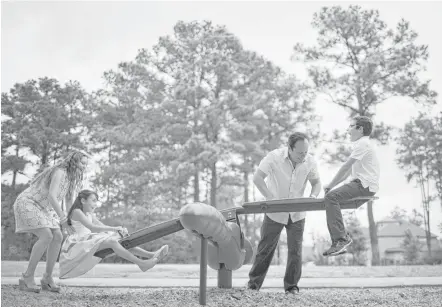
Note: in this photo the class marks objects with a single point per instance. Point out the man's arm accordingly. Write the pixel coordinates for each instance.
(258, 180)
(316, 187)
(315, 180)
(341, 175)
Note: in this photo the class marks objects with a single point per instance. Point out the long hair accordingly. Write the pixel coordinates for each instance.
(84, 194)
(71, 164)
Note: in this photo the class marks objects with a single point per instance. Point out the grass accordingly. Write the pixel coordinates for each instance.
(181, 297)
(13, 269)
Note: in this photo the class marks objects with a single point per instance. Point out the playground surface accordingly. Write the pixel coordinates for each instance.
(177, 285)
(237, 297)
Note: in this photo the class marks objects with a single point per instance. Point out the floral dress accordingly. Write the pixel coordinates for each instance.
(33, 210)
(77, 253)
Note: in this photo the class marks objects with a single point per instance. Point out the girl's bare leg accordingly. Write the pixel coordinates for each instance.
(140, 252)
(144, 265)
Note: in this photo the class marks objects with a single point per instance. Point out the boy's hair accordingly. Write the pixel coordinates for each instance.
(295, 137)
(366, 123)
(84, 194)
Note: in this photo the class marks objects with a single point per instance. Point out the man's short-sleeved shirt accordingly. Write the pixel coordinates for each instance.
(366, 168)
(285, 181)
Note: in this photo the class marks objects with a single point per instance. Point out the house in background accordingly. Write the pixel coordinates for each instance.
(391, 234)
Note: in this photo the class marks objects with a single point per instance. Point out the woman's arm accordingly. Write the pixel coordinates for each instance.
(69, 201)
(79, 216)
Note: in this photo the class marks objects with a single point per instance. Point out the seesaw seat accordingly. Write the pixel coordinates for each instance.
(298, 204)
(226, 241)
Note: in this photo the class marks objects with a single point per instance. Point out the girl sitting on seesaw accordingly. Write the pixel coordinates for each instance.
(87, 235)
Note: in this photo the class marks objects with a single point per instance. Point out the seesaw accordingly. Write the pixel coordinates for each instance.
(227, 250)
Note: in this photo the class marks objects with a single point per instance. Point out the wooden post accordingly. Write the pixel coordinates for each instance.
(224, 277)
(203, 271)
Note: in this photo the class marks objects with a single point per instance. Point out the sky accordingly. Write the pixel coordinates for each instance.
(80, 40)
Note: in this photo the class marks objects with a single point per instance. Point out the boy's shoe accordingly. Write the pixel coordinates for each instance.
(326, 252)
(339, 247)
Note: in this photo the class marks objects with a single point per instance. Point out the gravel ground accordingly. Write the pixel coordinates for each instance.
(124, 297)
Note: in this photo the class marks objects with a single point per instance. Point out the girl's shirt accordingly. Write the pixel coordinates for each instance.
(79, 228)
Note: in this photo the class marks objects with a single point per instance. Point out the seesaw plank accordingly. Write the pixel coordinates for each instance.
(145, 235)
(297, 204)
(280, 205)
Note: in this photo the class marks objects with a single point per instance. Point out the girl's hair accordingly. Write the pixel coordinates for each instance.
(74, 173)
(84, 194)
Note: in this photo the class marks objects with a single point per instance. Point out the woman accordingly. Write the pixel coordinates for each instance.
(38, 210)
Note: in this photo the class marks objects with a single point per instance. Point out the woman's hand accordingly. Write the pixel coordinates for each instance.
(65, 226)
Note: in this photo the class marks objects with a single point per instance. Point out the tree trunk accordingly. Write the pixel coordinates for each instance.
(426, 206)
(44, 155)
(14, 177)
(246, 199)
(427, 229)
(375, 258)
(213, 185)
(14, 173)
(439, 186)
(428, 235)
(196, 187)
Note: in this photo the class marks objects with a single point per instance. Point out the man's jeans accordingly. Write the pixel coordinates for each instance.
(270, 232)
(332, 199)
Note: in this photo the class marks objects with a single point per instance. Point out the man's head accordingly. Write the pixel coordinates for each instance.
(298, 146)
(360, 126)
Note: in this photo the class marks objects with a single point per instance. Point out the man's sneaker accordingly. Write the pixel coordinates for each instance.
(293, 290)
(340, 247)
(252, 287)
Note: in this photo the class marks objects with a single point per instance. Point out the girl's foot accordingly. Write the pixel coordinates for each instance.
(47, 283)
(147, 264)
(161, 253)
(27, 283)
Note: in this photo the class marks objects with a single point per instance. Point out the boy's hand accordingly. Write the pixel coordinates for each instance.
(327, 188)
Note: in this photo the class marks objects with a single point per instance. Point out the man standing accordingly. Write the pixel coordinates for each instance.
(364, 166)
(287, 171)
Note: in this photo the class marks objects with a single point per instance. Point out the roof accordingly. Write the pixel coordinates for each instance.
(398, 229)
(423, 248)
(394, 250)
